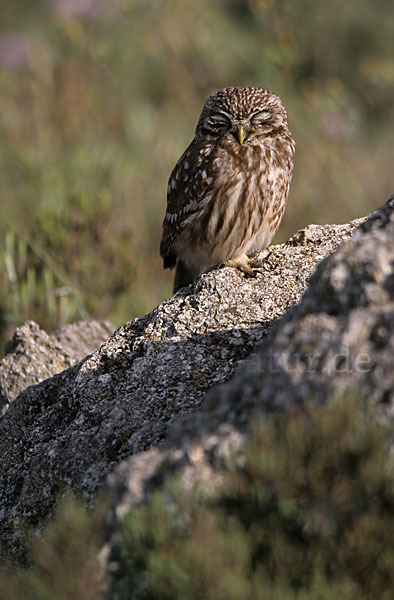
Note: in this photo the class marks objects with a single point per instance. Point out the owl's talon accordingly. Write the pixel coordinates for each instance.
(256, 263)
(243, 265)
(263, 263)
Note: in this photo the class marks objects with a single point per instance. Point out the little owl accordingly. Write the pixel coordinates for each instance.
(228, 191)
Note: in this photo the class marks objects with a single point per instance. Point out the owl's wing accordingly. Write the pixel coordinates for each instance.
(187, 186)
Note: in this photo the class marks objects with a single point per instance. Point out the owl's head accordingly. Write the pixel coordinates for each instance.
(242, 115)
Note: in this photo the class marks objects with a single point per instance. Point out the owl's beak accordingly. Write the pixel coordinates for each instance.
(241, 134)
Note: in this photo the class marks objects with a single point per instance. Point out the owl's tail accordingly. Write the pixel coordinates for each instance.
(184, 275)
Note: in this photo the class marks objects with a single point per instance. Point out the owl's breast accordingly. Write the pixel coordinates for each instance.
(242, 196)
(247, 201)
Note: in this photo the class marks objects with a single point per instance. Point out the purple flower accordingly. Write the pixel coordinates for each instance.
(80, 8)
(14, 50)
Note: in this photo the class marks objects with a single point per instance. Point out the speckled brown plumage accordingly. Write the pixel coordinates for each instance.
(228, 191)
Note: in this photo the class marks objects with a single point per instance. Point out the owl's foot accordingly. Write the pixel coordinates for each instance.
(244, 264)
(264, 262)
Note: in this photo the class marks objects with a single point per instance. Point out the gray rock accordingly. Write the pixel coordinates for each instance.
(338, 339)
(82, 338)
(72, 429)
(33, 355)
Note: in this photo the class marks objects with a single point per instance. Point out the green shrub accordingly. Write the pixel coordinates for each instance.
(309, 515)
(63, 562)
(307, 512)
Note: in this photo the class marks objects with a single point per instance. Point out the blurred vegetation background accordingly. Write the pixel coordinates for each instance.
(98, 98)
